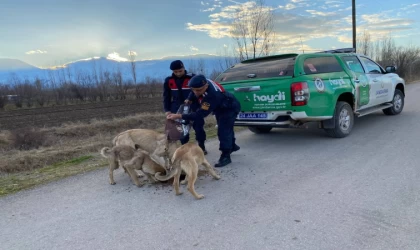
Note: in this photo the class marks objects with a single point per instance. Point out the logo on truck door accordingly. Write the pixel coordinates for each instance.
(319, 84)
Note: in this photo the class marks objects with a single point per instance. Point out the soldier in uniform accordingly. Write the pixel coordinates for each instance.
(175, 91)
(212, 97)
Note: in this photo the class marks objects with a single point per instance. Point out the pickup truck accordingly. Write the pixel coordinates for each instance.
(329, 87)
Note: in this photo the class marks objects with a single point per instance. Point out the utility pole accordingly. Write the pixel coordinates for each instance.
(354, 24)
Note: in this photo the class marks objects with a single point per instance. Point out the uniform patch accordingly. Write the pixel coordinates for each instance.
(205, 106)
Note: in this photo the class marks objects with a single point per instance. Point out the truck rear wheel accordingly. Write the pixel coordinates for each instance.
(398, 102)
(343, 121)
(260, 129)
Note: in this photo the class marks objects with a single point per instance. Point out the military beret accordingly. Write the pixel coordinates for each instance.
(177, 64)
(197, 81)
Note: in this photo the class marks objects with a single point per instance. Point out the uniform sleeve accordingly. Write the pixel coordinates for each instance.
(206, 108)
(166, 96)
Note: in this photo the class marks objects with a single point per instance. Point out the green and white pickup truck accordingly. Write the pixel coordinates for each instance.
(330, 87)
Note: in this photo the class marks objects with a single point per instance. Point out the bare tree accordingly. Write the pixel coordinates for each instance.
(252, 30)
(40, 92)
(227, 59)
(364, 44)
(132, 56)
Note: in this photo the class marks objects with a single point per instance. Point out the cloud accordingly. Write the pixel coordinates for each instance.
(213, 29)
(290, 6)
(381, 25)
(116, 57)
(132, 53)
(294, 28)
(32, 52)
(333, 2)
(209, 9)
(217, 4)
(410, 6)
(192, 48)
(320, 13)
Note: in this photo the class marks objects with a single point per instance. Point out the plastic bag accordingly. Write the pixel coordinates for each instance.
(186, 125)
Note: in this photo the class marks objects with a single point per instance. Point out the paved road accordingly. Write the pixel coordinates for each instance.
(290, 189)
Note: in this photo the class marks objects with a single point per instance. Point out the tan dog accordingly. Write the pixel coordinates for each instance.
(131, 159)
(147, 140)
(186, 158)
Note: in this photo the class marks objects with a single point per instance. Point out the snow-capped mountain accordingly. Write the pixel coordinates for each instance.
(12, 70)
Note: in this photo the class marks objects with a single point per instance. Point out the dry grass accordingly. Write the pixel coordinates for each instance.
(70, 149)
(73, 140)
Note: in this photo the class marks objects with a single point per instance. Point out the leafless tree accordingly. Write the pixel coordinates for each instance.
(132, 56)
(227, 59)
(4, 91)
(364, 44)
(40, 92)
(252, 30)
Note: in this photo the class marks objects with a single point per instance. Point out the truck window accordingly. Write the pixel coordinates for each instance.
(372, 67)
(319, 65)
(353, 64)
(258, 69)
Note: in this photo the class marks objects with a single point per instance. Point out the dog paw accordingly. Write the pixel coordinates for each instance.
(184, 182)
(112, 183)
(179, 193)
(217, 177)
(199, 197)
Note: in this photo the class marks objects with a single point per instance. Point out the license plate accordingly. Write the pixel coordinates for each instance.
(253, 116)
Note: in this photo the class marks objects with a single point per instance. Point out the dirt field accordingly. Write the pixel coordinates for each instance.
(55, 116)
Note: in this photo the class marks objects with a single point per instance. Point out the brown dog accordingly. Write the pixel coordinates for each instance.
(130, 159)
(147, 140)
(186, 158)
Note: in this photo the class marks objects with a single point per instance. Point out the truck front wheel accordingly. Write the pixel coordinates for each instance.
(398, 102)
(260, 129)
(343, 121)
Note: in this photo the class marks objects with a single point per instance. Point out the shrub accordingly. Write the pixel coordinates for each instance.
(27, 138)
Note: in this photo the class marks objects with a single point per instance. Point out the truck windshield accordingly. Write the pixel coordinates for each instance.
(258, 69)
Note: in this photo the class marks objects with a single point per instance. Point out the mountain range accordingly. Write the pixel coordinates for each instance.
(13, 71)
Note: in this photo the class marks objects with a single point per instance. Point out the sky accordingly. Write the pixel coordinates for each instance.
(48, 33)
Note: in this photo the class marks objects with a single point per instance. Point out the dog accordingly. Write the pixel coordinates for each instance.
(186, 158)
(131, 159)
(147, 140)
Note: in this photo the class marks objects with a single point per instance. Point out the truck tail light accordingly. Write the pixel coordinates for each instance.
(300, 93)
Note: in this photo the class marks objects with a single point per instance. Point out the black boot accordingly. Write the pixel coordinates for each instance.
(235, 148)
(224, 160)
(201, 145)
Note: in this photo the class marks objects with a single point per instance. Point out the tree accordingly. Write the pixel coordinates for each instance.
(132, 56)
(364, 44)
(252, 30)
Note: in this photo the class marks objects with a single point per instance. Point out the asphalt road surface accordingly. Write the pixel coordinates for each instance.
(290, 189)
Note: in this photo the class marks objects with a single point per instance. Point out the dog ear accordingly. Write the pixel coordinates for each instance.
(136, 146)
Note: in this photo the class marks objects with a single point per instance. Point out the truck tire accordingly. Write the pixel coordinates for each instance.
(260, 129)
(343, 121)
(398, 102)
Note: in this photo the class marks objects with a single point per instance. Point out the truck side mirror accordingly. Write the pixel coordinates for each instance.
(390, 69)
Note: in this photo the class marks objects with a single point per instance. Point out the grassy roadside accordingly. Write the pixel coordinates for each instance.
(14, 182)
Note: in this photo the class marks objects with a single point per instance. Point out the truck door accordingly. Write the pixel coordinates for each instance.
(381, 85)
(361, 82)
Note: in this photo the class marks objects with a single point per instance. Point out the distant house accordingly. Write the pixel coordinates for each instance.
(12, 98)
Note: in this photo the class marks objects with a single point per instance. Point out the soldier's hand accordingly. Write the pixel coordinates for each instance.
(167, 113)
(188, 102)
(174, 116)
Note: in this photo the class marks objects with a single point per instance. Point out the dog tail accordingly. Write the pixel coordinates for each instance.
(106, 152)
(166, 177)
